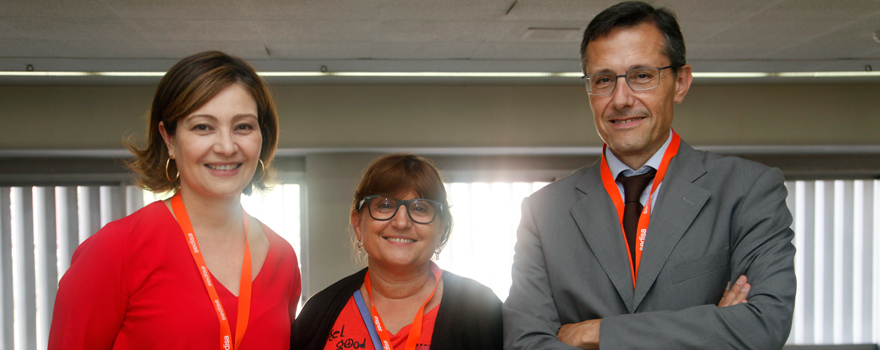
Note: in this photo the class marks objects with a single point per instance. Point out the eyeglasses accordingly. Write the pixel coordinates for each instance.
(638, 79)
(420, 210)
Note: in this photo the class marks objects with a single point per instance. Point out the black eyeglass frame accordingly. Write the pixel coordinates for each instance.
(586, 80)
(401, 202)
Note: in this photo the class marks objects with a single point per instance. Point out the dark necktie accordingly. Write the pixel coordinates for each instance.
(633, 187)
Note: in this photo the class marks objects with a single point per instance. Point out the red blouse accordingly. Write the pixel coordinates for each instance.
(350, 332)
(134, 285)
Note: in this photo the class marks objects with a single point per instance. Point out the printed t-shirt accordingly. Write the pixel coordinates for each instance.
(350, 332)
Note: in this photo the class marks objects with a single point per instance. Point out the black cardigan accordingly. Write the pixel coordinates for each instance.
(469, 316)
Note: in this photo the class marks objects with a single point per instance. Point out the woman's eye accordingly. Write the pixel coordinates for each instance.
(201, 127)
(244, 127)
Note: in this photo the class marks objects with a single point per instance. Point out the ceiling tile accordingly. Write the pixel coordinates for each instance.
(22, 48)
(189, 9)
(849, 41)
(73, 28)
(329, 51)
(513, 31)
(100, 49)
(318, 31)
(54, 8)
(444, 10)
(852, 65)
(783, 33)
(729, 51)
(248, 50)
(9, 33)
(715, 10)
(195, 30)
(363, 10)
(435, 31)
(528, 51)
(696, 32)
(421, 51)
(558, 10)
(822, 10)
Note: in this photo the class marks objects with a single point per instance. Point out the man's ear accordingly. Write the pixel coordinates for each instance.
(169, 141)
(683, 81)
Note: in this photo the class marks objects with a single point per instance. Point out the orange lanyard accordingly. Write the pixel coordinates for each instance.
(244, 291)
(645, 217)
(415, 330)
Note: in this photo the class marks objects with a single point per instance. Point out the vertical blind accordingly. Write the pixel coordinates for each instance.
(837, 261)
(40, 227)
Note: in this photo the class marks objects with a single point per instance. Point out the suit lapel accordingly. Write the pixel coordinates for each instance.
(596, 219)
(678, 204)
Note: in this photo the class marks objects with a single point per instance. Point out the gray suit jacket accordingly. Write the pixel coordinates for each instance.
(715, 218)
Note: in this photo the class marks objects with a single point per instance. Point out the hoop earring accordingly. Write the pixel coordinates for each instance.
(167, 162)
(263, 166)
(360, 247)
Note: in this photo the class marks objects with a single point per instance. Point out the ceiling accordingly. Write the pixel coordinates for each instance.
(419, 35)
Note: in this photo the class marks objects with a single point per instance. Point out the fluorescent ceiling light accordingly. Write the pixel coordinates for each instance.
(698, 75)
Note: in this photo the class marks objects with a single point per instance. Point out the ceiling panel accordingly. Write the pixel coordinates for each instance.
(716, 10)
(557, 10)
(435, 31)
(71, 28)
(328, 51)
(318, 31)
(101, 48)
(819, 10)
(245, 49)
(514, 30)
(360, 10)
(54, 8)
(7, 33)
(731, 51)
(22, 48)
(783, 33)
(180, 9)
(528, 51)
(697, 32)
(406, 35)
(195, 30)
(422, 51)
(444, 10)
(852, 40)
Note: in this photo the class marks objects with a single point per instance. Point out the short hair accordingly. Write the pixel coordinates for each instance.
(395, 174)
(630, 14)
(186, 87)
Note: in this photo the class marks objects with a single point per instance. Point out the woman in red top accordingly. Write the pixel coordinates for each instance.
(194, 271)
(402, 300)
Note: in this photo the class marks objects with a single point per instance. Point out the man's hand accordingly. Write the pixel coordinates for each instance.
(736, 294)
(584, 335)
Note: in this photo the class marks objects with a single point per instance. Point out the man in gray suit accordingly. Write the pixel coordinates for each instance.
(602, 262)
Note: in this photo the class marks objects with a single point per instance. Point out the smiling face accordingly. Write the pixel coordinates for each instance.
(217, 147)
(398, 242)
(635, 124)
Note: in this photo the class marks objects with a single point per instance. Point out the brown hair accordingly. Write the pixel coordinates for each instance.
(186, 87)
(395, 174)
(630, 14)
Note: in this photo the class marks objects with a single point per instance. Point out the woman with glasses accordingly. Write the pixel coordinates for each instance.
(402, 301)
